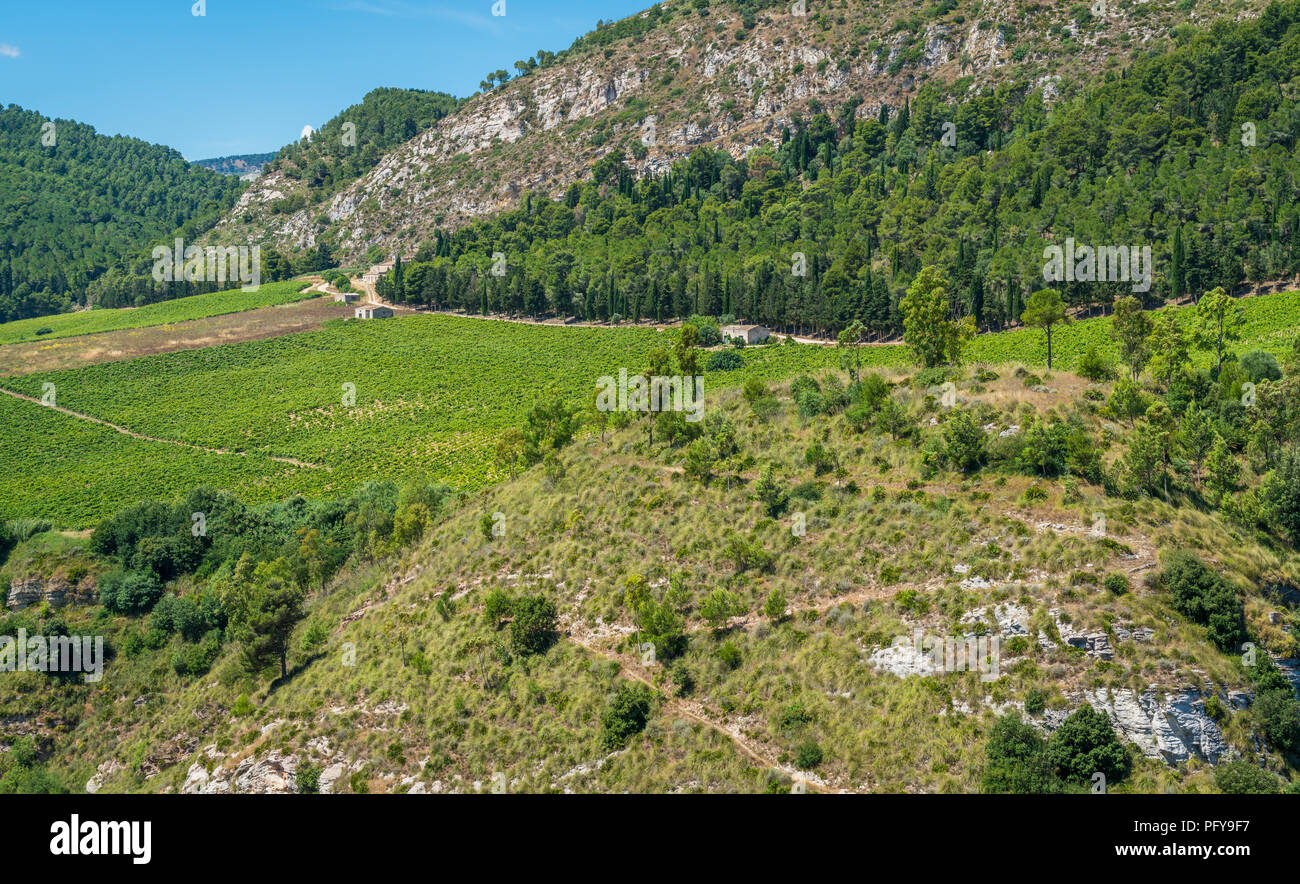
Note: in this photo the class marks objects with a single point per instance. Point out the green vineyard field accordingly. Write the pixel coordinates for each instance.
(432, 396)
(89, 322)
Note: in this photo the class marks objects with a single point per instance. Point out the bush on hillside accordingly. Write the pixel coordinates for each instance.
(130, 593)
(1204, 597)
(1240, 777)
(626, 716)
(533, 628)
(1085, 744)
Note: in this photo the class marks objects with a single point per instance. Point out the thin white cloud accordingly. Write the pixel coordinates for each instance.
(399, 9)
(9, 51)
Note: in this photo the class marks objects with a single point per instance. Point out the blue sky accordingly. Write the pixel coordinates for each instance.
(247, 76)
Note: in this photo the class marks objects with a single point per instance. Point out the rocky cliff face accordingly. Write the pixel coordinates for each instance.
(57, 591)
(694, 80)
(1166, 724)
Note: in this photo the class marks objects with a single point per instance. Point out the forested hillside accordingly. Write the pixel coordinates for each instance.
(74, 203)
(720, 74)
(1189, 152)
(353, 142)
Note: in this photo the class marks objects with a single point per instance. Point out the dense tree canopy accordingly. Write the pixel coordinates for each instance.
(74, 204)
(831, 227)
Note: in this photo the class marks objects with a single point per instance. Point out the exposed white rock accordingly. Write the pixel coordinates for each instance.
(105, 770)
(266, 775)
(1170, 725)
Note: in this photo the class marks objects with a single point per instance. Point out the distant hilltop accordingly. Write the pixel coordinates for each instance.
(248, 165)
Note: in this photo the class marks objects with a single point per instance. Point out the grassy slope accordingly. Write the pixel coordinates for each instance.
(89, 322)
(620, 509)
(433, 395)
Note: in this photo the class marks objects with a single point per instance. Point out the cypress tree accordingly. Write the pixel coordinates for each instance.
(1178, 268)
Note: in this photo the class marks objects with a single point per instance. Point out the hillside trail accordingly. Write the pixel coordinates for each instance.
(141, 436)
(631, 668)
(696, 712)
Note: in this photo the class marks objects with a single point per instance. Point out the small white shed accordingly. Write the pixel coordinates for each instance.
(750, 334)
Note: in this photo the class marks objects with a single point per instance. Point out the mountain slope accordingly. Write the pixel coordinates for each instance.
(678, 76)
(773, 564)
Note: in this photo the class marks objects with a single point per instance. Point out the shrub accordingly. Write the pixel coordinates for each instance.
(820, 458)
(719, 606)
(662, 627)
(808, 756)
(1277, 714)
(132, 593)
(701, 457)
(729, 654)
(754, 390)
(314, 637)
(178, 614)
(871, 391)
(1204, 597)
(1033, 494)
(1085, 744)
(533, 628)
(793, 717)
(626, 716)
(748, 555)
(307, 778)
(1281, 493)
(194, 660)
(725, 360)
(964, 445)
(809, 491)
(859, 416)
(774, 607)
(1240, 777)
(1016, 760)
(911, 600)
(1035, 702)
(770, 493)
(1117, 583)
(497, 607)
(1093, 366)
(683, 677)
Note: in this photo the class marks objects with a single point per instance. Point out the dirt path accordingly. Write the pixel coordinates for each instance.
(696, 712)
(134, 435)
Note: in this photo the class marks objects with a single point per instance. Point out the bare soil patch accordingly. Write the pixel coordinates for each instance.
(116, 346)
